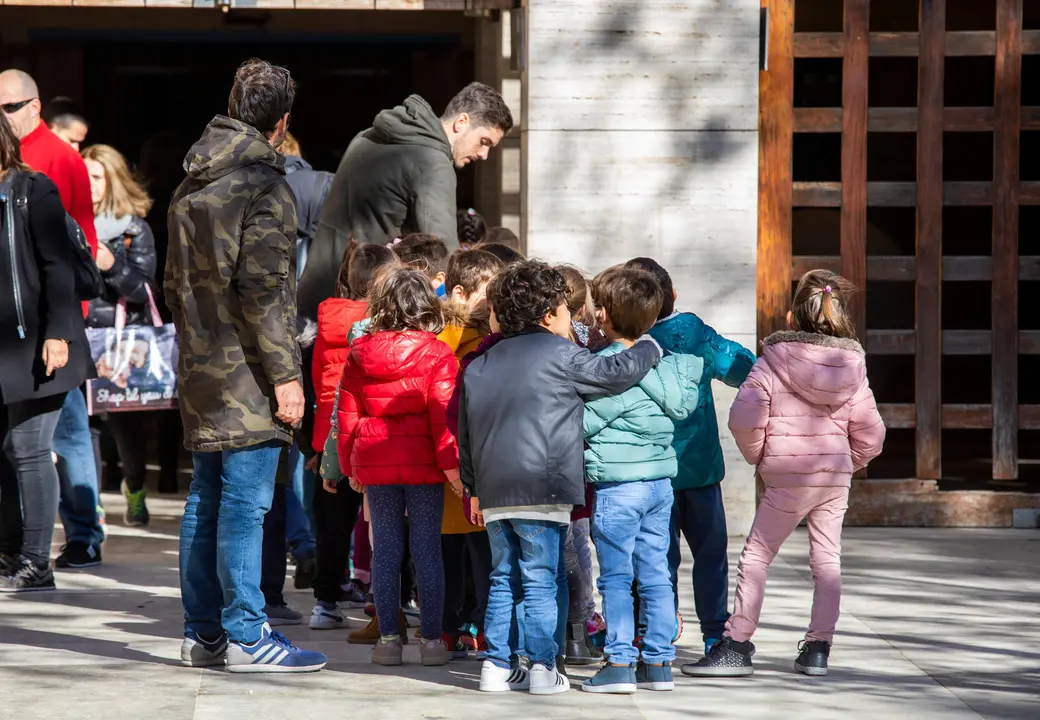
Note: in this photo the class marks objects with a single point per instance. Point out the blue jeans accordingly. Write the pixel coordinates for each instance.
(299, 507)
(222, 540)
(526, 576)
(700, 515)
(77, 473)
(631, 524)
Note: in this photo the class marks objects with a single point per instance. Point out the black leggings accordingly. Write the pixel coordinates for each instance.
(128, 430)
(467, 553)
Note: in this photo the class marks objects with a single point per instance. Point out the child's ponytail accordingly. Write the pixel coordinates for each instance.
(821, 305)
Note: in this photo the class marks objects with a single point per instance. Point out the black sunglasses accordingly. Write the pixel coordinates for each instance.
(12, 108)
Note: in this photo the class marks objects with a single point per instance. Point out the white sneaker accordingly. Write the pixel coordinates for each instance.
(498, 679)
(546, 681)
(326, 618)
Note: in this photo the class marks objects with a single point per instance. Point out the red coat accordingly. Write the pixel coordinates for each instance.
(392, 410)
(47, 153)
(335, 318)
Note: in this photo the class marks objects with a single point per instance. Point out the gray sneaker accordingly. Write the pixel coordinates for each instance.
(433, 653)
(388, 651)
(29, 577)
(282, 615)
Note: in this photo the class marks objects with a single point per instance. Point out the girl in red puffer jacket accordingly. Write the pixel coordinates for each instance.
(395, 446)
(335, 514)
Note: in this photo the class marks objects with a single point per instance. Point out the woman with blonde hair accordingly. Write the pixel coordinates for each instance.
(127, 260)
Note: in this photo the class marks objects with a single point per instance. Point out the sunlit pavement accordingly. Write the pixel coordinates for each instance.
(935, 624)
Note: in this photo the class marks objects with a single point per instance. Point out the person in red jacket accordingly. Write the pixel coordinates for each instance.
(394, 444)
(335, 514)
(45, 152)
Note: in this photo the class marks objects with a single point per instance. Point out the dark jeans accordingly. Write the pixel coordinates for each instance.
(128, 430)
(29, 479)
(425, 505)
(221, 547)
(272, 570)
(334, 517)
(700, 516)
(462, 552)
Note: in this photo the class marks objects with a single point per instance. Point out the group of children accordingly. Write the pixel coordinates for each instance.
(494, 413)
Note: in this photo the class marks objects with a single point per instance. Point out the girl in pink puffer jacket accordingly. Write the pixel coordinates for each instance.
(807, 418)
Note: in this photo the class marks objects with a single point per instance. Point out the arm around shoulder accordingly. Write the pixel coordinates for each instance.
(608, 374)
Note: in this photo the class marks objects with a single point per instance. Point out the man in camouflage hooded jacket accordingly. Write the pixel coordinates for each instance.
(231, 286)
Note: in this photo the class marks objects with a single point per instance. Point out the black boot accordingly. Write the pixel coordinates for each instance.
(580, 650)
(812, 657)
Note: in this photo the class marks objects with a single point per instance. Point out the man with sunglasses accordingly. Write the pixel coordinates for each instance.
(45, 152)
(230, 284)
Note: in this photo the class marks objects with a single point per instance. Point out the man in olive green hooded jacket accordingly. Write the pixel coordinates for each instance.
(398, 177)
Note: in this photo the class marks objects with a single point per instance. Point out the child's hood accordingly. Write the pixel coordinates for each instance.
(395, 355)
(335, 318)
(821, 369)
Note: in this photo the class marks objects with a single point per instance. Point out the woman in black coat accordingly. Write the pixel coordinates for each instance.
(43, 355)
(126, 258)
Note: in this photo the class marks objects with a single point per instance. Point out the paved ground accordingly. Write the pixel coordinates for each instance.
(936, 624)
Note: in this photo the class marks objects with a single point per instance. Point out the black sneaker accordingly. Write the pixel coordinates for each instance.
(77, 555)
(580, 650)
(726, 659)
(30, 577)
(306, 571)
(812, 657)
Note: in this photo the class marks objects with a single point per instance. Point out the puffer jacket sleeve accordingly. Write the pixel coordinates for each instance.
(442, 385)
(866, 428)
(749, 414)
(674, 385)
(349, 412)
(733, 361)
(133, 270)
(265, 278)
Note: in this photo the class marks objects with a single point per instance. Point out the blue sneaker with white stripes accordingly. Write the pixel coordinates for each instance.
(272, 653)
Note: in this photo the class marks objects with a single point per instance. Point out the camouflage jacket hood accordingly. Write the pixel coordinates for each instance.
(226, 146)
(230, 285)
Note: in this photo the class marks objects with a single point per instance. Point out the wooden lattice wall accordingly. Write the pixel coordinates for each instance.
(928, 269)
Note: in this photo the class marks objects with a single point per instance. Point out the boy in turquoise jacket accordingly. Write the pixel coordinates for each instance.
(631, 462)
(698, 512)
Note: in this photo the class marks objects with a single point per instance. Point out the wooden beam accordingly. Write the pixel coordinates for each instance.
(854, 155)
(903, 194)
(956, 417)
(896, 268)
(954, 342)
(1005, 238)
(775, 139)
(928, 286)
(965, 119)
(906, 44)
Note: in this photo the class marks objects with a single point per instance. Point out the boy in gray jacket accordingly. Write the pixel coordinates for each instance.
(520, 453)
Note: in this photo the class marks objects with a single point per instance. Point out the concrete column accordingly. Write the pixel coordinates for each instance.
(641, 138)
(498, 179)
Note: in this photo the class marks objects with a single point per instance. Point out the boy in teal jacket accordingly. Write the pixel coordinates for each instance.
(631, 462)
(698, 512)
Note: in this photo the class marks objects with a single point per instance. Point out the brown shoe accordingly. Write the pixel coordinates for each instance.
(388, 652)
(434, 653)
(369, 635)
